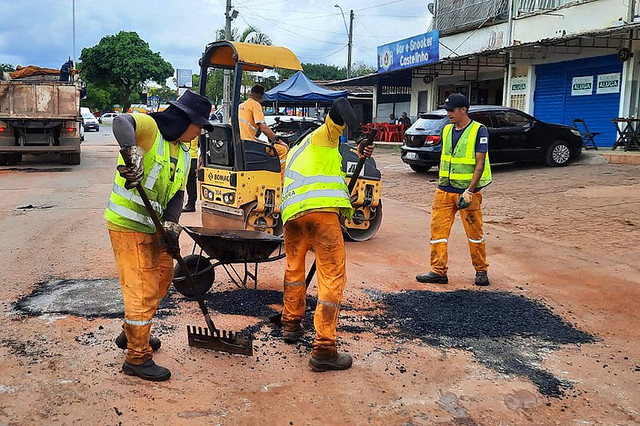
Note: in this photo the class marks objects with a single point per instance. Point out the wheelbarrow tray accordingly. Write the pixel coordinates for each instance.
(234, 245)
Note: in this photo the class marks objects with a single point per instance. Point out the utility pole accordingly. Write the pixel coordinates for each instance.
(74, 33)
(226, 92)
(350, 44)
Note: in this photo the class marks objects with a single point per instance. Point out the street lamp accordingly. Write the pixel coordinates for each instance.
(349, 35)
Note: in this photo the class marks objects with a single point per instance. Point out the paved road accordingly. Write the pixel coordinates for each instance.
(561, 314)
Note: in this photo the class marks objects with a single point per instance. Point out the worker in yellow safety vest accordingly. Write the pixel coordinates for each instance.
(153, 155)
(192, 187)
(314, 195)
(251, 121)
(464, 170)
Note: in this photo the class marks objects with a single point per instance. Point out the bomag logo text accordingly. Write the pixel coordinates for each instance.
(223, 178)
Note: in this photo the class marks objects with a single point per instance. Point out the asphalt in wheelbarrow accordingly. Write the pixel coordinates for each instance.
(234, 246)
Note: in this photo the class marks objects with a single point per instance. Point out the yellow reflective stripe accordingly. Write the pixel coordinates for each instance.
(138, 323)
(152, 177)
(324, 302)
(248, 123)
(131, 196)
(461, 176)
(476, 241)
(130, 214)
(468, 161)
(314, 193)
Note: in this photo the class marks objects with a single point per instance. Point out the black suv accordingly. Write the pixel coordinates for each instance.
(513, 137)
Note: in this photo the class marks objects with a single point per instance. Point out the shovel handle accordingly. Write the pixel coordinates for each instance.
(160, 230)
(352, 184)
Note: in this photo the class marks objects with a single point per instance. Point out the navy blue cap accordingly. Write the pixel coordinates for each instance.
(455, 100)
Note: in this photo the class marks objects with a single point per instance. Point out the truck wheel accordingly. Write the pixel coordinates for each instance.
(419, 169)
(13, 159)
(74, 158)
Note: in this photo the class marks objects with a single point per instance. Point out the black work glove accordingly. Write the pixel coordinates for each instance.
(170, 240)
(133, 155)
(364, 150)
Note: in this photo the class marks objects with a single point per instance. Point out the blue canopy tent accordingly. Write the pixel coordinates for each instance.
(299, 89)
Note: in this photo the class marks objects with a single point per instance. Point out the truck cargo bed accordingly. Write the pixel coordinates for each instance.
(42, 100)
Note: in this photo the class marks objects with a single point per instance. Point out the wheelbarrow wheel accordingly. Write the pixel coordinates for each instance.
(203, 278)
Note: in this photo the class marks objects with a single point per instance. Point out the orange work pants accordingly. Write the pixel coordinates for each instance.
(321, 232)
(282, 155)
(145, 271)
(443, 212)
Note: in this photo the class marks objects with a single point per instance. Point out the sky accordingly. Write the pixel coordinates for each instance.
(40, 32)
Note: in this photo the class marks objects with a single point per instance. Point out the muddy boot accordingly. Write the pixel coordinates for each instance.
(292, 332)
(336, 361)
(147, 371)
(432, 277)
(482, 279)
(121, 342)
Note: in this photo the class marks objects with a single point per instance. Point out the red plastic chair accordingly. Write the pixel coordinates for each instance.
(366, 128)
(392, 133)
(382, 130)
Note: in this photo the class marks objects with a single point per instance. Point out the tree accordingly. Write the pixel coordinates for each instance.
(125, 62)
(164, 93)
(6, 68)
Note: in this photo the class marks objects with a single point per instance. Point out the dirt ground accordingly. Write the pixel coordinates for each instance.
(553, 340)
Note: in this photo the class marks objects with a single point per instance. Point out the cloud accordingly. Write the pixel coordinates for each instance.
(40, 32)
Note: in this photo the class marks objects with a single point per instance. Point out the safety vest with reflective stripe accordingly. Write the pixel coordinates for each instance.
(313, 179)
(126, 208)
(456, 168)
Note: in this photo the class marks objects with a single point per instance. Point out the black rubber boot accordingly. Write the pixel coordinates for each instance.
(482, 279)
(121, 342)
(147, 371)
(432, 277)
(188, 209)
(293, 335)
(335, 362)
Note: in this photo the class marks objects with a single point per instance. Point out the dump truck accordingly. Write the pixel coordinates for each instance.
(38, 115)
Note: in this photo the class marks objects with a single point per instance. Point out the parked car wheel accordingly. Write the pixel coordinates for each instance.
(558, 154)
(420, 169)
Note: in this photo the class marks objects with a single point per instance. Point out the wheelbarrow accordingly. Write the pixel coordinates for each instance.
(226, 248)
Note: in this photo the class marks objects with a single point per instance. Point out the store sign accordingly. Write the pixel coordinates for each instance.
(582, 86)
(519, 85)
(608, 83)
(184, 78)
(408, 53)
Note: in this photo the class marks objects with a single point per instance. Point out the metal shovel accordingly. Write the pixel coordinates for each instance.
(209, 337)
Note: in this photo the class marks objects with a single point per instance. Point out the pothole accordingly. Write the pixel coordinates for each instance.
(81, 297)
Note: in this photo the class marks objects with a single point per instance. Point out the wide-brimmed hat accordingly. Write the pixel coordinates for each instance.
(196, 106)
(455, 100)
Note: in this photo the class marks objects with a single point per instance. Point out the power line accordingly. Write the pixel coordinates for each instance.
(378, 5)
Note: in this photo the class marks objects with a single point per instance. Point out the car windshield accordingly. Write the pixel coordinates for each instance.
(430, 122)
(85, 115)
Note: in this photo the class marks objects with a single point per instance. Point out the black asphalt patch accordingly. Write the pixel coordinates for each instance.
(84, 298)
(505, 331)
(38, 170)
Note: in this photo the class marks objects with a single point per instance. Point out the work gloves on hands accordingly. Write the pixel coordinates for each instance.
(133, 155)
(465, 199)
(170, 239)
(364, 150)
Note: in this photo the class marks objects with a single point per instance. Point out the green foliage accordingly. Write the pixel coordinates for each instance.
(6, 68)
(360, 69)
(164, 92)
(123, 61)
(99, 98)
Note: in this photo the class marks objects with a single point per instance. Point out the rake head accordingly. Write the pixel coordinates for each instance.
(220, 340)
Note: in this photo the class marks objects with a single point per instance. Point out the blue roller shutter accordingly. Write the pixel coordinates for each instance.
(553, 101)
